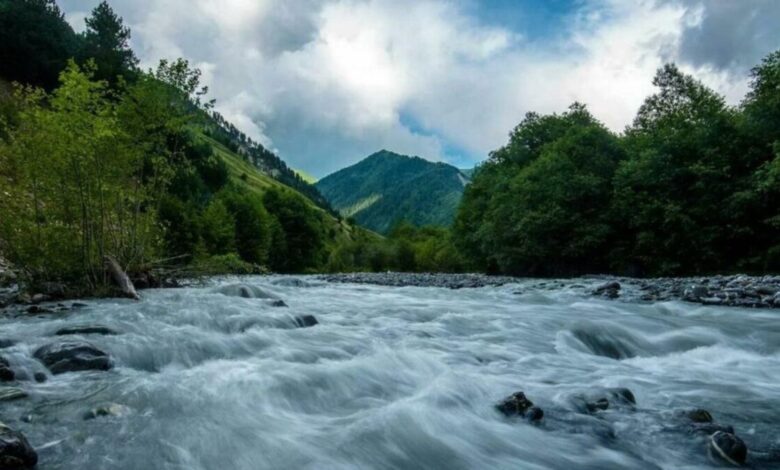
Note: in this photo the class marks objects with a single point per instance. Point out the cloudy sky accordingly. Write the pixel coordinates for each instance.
(327, 82)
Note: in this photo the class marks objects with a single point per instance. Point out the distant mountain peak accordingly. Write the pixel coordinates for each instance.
(387, 186)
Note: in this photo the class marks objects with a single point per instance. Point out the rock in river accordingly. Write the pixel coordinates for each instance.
(86, 330)
(6, 374)
(518, 404)
(15, 451)
(11, 393)
(70, 356)
(727, 447)
(305, 321)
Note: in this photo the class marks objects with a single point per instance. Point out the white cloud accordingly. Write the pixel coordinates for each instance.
(325, 82)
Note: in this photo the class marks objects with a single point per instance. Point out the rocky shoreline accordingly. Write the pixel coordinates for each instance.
(729, 291)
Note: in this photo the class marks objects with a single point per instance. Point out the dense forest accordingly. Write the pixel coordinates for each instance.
(692, 186)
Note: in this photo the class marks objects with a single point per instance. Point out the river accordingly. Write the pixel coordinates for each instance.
(395, 378)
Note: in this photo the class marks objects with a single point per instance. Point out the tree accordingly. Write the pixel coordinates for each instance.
(35, 42)
(106, 41)
(73, 189)
(674, 190)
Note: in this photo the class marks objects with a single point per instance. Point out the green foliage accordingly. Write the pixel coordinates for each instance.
(691, 187)
(72, 192)
(386, 187)
(303, 237)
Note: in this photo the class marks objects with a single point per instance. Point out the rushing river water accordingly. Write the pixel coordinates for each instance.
(395, 378)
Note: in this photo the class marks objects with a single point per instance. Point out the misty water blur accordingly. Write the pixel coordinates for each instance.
(393, 378)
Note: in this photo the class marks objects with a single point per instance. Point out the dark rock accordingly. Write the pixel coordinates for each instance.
(37, 309)
(6, 374)
(696, 292)
(598, 405)
(246, 291)
(604, 399)
(40, 377)
(77, 305)
(11, 393)
(15, 451)
(516, 404)
(305, 321)
(534, 414)
(610, 290)
(278, 303)
(6, 343)
(726, 447)
(71, 356)
(86, 330)
(699, 416)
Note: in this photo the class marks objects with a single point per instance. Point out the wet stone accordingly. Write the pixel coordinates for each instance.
(71, 356)
(518, 404)
(278, 303)
(699, 416)
(15, 451)
(305, 321)
(727, 447)
(11, 393)
(86, 330)
(6, 374)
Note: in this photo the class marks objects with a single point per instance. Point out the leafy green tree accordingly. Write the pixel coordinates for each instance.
(302, 231)
(106, 41)
(73, 195)
(218, 228)
(252, 225)
(673, 192)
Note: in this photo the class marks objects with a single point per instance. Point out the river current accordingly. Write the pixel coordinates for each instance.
(390, 378)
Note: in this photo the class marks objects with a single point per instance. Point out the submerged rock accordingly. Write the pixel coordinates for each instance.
(15, 451)
(600, 400)
(6, 374)
(246, 291)
(278, 303)
(111, 409)
(11, 393)
(71, 356)
(518, 404)
(305, 321)
(726, 447)
(6, 343)
(610, 290)
(699, 416)
(86, 330)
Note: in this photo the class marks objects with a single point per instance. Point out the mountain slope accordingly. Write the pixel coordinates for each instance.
(387, 187)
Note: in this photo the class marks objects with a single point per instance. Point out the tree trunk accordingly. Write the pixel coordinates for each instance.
(120, 277)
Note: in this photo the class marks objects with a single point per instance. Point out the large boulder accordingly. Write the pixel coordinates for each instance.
(306, 321)
(71, 356)
(15, 452)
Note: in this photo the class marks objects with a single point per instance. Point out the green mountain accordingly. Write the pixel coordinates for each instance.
(386, 187)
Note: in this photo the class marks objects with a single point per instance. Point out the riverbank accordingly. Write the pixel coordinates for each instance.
(727, 291)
